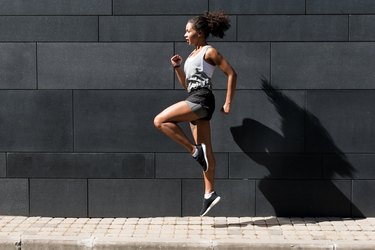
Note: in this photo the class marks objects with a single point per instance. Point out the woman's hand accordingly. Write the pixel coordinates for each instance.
(176, 61)
(226, 108)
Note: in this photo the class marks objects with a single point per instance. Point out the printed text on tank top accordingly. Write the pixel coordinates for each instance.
(198, 71)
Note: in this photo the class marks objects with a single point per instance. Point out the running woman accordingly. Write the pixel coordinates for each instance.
(200, 103)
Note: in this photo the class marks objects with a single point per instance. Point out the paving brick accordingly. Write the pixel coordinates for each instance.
(48, 28)
(104, 66)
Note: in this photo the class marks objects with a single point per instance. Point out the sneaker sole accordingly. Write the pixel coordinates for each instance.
(205, 155)
(211, 206)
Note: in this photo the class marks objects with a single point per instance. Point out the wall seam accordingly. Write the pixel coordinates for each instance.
(36, 66)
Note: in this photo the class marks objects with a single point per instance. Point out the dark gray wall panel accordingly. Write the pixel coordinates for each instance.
(237, 198)
(159, 7)
(274, 166)
(349, 166)
(134, 198)
(323, 65)
(340, 6)
(176, 165)
(105, 66)
(81, 165)
(293, 28)
(3, 165)
(58, 197)
(344, 121)
(260, 124)
(259, 6)
(363, 198)
(122, 121)
(303, 198)
(148, 28)
(14, 196)
(17, 66)
(48, 28)
(249, 60)
(56, 7)
(36, 120)
(361, 27)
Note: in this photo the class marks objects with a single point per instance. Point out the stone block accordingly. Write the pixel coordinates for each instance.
(159, 7)
(340, 7)
(237, 198)
(134, 198)
(14, 195)
(36, 120)
(323, 65)
(293, 28)
(89, 165)
(48, 28)
(17, 66)
(303, 198)
(259, 6)
(55, 7)
(105, 66)
(275, 166)
(58, 197)
(342, 121)
(182, 165)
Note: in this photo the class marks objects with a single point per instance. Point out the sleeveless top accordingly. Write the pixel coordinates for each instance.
(198, 72)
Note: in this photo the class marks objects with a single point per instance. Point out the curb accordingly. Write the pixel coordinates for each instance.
(32, 242)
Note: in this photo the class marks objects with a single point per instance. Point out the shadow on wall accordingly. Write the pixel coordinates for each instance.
(298, 194)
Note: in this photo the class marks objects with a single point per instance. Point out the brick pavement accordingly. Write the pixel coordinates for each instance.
(192, 229)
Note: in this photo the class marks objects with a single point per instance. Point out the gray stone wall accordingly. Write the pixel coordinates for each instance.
(81, 80)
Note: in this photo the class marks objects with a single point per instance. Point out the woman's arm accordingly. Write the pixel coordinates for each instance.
(176, 61)
(214, 57)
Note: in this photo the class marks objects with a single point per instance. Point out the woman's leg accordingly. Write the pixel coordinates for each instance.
(202, 134)
(167, 121)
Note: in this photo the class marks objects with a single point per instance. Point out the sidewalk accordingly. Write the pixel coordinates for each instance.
(186, 233)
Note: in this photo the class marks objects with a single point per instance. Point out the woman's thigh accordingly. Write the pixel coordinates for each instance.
(179, 112)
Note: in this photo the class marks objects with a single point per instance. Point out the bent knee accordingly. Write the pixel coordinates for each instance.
(158, 121)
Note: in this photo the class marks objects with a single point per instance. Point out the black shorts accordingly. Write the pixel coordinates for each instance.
(206, 101)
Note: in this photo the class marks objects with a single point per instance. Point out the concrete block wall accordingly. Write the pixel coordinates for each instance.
(81, 80)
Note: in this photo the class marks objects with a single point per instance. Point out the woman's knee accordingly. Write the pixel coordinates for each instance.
(158, 121)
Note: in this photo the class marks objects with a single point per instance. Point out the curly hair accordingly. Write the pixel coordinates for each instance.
(214, 23)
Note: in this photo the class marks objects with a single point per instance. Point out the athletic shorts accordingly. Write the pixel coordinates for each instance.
(202, 103)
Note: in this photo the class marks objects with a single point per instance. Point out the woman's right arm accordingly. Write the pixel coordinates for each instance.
(176, 61)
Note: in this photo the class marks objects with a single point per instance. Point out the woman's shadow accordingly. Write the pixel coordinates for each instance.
(291, 191)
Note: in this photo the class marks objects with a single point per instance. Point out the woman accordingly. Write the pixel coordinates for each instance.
(199, 106)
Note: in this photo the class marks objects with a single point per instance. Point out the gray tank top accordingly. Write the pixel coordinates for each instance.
(198, 72)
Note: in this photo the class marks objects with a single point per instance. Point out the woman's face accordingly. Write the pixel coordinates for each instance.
(191, 35)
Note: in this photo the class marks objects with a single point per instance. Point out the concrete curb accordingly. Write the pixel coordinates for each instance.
(30, 242)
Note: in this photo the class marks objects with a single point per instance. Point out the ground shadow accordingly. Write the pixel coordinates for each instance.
(306, 189)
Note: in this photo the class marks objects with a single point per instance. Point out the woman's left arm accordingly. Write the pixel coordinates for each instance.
(214, 57)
